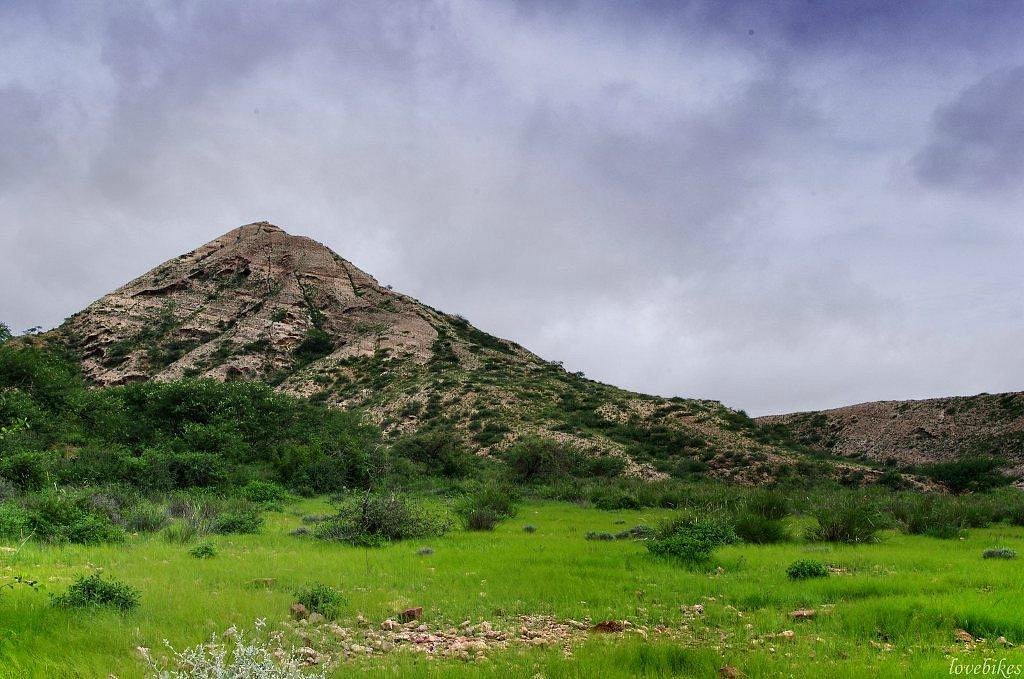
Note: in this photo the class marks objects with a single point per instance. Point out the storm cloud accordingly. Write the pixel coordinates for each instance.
(784, 206)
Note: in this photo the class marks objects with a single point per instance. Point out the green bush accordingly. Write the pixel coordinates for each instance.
(439, 453)
(756, 529)
(144, 517)
(805, 569)
(93, 590)
(533, 460)
(238, 517)
(847, 517)
(264, 493)
(315, 345)
(928, 514)
(600, 536)
(999, 553)
(374, 520)
(320, 598)
(15, 522)
(60, 517)
(486, 507)
(26, 470)
(610, 499)
(204, 550)
(968, 474)
(768, 503)
(691, 540)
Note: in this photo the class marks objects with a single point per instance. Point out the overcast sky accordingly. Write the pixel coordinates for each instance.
(781, 205)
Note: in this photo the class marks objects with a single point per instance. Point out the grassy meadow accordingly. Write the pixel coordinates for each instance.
(888, 609)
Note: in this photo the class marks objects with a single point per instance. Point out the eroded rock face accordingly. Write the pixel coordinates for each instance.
(916, 432)
(240, 307)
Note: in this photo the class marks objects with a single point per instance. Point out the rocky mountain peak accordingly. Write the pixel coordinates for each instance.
(253, 303)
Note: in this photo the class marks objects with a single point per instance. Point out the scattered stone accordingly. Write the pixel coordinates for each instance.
(787, 634)
(410, 614)
(803, 614)
(963, 635)
(389, 625)
(1004, 642)
(298, 611)
(316, 618)
(729, 672)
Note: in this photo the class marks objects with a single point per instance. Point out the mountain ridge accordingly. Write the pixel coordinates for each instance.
(258, 303)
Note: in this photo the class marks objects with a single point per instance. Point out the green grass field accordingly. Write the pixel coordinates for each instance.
(892, 610)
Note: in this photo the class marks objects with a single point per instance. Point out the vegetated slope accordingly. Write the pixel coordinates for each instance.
(260, 304)
(906, 433)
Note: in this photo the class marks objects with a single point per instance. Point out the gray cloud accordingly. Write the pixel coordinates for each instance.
(647, 192)
(977, 141)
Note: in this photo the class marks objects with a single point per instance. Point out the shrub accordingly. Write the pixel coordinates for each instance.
(529, 528)
(145, 517)
(847, 517)
(636, 533)
(535, 459)
(768, 503)
(376, 519)
(59, 517)
(757, 529)
(264, 493)
(204, 550)
(15, 522)
(691, 540)
(93, 590)
(249, 659)
(320, 598)
(600, 536)
(438, 452)
(968, 474)
(315, 345)
(26, 470)
(932, 515)
(241, 517)
(611, 499)
(486, 507)
(805, 569)
(999, 553)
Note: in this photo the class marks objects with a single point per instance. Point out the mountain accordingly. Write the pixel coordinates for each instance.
(906, 433)
(261, 304)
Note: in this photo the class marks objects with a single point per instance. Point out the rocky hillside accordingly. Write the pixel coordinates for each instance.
(260, 304)
(903, 433)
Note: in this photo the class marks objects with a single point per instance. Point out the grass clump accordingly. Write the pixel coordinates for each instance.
(759, 530)
(374, 520)
(847, 517)
(599, 536)
(204, 550)
(932, 515)
(999, 553)
(93, 590)
(320, 598)
(486, 507)
(805, 569)
(691, 540)
(768, 503)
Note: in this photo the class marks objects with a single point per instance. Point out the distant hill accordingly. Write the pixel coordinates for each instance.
(260, 304)
(905, 433)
